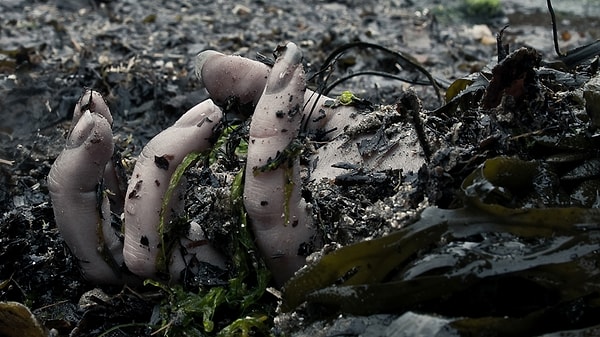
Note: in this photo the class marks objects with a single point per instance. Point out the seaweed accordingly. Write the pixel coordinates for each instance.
(188, 313)
(494, 261)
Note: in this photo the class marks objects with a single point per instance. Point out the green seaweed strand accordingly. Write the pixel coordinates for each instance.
(285, 157)
(183, 310)
(291, 151)
(243, 244)
(161, 259)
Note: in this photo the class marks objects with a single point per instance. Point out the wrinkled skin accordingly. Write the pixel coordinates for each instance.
(279, 217)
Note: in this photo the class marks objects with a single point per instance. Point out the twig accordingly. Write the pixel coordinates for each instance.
(554, 31)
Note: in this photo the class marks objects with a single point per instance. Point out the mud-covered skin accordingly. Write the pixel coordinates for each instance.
(230, 78)
(234, 82)
(149, 182)
(75, 183)
(80, 197)
(278, 214)
(280, 218)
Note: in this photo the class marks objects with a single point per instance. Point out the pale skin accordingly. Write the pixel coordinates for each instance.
(281, 222)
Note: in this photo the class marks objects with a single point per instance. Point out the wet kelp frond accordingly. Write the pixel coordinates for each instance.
(492, 258)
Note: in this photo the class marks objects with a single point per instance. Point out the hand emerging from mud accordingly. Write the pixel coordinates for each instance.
(84, 189)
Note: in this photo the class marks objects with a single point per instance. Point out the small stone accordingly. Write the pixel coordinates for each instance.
(241, 10)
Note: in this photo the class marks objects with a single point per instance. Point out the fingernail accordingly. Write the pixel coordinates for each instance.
(81, 130)
(92, 101)
(200, 60)
(289, 58)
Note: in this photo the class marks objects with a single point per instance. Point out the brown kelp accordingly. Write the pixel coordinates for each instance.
(499, 256)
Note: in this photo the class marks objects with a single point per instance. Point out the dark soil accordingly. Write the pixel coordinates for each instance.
(139, 55)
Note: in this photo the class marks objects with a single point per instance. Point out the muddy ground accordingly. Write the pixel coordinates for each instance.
(139, 55)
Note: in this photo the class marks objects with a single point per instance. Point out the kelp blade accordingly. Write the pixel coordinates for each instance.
(485, 261)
